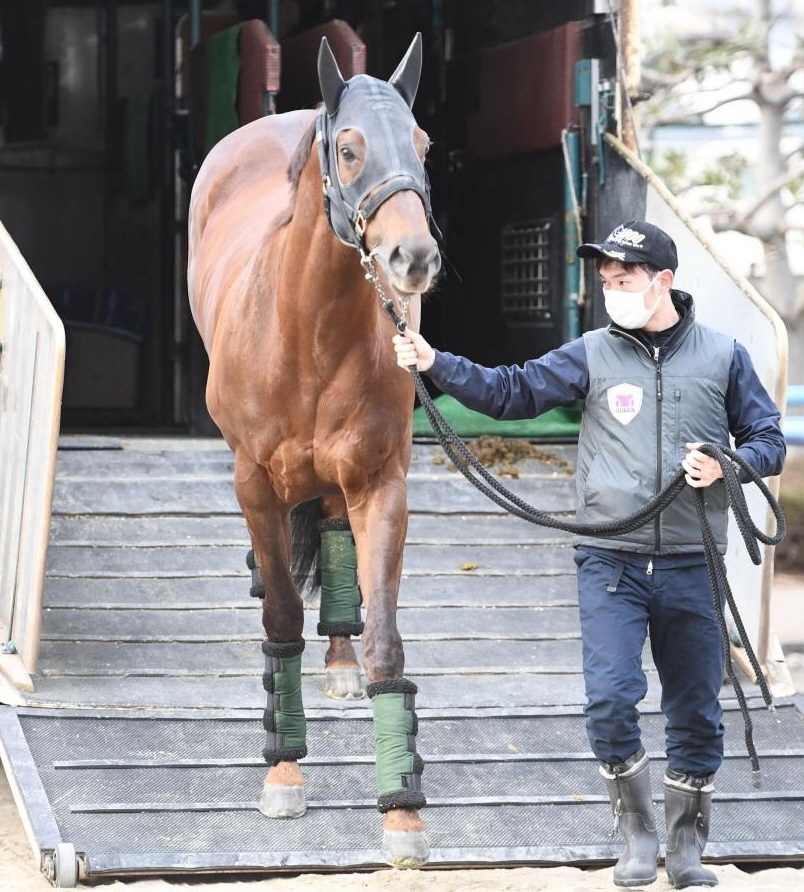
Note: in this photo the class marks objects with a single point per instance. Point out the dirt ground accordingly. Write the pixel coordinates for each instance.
(19, 872)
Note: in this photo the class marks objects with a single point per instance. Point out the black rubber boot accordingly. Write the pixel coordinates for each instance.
(687, 810)
(628, 784)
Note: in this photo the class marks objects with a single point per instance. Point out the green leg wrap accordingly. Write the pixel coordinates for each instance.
(340, 595)
(398, 766)
(284, 720)
(257, 588)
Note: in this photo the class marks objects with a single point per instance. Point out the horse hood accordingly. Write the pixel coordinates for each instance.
(381, 112)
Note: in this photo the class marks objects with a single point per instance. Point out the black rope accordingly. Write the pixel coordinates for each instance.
(474, 471)
(719, 583)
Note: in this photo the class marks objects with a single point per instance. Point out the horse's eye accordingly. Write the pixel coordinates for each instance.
(347, 154)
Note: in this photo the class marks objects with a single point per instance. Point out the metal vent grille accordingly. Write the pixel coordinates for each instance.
(526, 273)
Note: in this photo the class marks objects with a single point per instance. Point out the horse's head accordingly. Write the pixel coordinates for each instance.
(372, 165)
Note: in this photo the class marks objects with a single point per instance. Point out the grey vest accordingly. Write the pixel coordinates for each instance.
(637, 418)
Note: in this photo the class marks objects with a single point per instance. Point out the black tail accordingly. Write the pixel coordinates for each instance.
(304, 565)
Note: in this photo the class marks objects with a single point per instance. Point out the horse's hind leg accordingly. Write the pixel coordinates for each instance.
(339, 613)
(283, 620)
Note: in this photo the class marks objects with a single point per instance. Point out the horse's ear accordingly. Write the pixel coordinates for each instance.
(330, 78)
(406, 77)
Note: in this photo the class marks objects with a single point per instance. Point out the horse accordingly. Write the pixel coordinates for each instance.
(288, 289)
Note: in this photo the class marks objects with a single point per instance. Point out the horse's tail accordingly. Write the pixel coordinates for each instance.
(305, 564)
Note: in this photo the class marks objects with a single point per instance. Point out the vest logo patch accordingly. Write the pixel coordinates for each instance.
(625, 401)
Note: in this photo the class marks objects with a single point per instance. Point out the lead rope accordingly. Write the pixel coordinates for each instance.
(471, 468)
(367, 262)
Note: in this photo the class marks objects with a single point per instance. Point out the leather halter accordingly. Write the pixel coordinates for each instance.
(380, 113)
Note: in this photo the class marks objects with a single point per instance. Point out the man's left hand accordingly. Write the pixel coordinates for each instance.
(701, 469)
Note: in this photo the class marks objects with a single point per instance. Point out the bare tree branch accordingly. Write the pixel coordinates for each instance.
(659, 120)
(772, 189)
(788, 158)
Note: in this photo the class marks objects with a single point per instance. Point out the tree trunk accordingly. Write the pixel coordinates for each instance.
(779, 284)
(632, 69)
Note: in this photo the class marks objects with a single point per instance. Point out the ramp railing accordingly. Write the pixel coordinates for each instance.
(31, 378)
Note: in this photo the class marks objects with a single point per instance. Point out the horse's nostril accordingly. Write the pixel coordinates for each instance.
(434, 258)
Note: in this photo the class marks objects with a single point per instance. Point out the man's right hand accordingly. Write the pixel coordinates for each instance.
(412, 350)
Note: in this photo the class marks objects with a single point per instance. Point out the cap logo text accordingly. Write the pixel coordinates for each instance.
(627, 237)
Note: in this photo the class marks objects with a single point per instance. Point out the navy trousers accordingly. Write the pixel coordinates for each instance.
(622, 600)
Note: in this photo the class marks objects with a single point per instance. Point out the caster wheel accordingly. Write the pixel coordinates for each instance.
(65, 865)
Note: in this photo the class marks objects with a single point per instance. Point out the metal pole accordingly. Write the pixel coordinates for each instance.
(194, 22)
(110, 90)
(572, 263)
(274, 18)
(167, 203)
(193, 39)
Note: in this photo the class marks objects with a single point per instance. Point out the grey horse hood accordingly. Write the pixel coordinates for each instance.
(379, 110)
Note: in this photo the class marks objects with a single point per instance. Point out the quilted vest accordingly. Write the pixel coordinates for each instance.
(637, 417)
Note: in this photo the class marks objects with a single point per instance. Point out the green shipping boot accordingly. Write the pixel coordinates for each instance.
(687, 810)
(628, 785)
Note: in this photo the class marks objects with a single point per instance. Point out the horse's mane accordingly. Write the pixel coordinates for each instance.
(300, 156)
(296, 165)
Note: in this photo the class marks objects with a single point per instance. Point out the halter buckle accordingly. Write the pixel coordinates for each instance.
(360, 224)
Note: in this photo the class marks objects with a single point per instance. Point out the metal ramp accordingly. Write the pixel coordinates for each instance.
(139, 751)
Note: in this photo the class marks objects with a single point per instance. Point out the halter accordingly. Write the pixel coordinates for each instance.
(380, 113)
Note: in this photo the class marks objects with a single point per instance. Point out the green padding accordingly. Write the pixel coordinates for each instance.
(340, 595)
(393, 731)
(222, 58)
(289, 718)
(560, 423)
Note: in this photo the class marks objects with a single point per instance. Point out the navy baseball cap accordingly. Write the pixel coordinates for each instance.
(636, 241)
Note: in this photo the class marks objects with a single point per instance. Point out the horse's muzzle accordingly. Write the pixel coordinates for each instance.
(414, 263)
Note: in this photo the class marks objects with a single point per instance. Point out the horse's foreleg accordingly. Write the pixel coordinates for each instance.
(380, 535)
(285, 729)
(339, 613)
(283, 621)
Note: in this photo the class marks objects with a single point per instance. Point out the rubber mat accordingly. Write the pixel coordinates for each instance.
(140, 749)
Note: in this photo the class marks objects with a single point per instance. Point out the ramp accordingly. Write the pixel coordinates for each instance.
(139, 750)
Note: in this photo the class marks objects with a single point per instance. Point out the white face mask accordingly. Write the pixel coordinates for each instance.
(627, 308)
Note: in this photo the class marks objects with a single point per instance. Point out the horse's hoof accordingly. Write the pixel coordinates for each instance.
(344, 683)
(405, 849)
(282, 801)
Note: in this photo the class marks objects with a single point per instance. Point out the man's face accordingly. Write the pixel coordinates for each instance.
(615, 277)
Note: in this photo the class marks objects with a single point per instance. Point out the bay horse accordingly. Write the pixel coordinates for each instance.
(283, 285)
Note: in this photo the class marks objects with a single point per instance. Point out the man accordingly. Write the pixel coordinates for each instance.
(654, 385)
